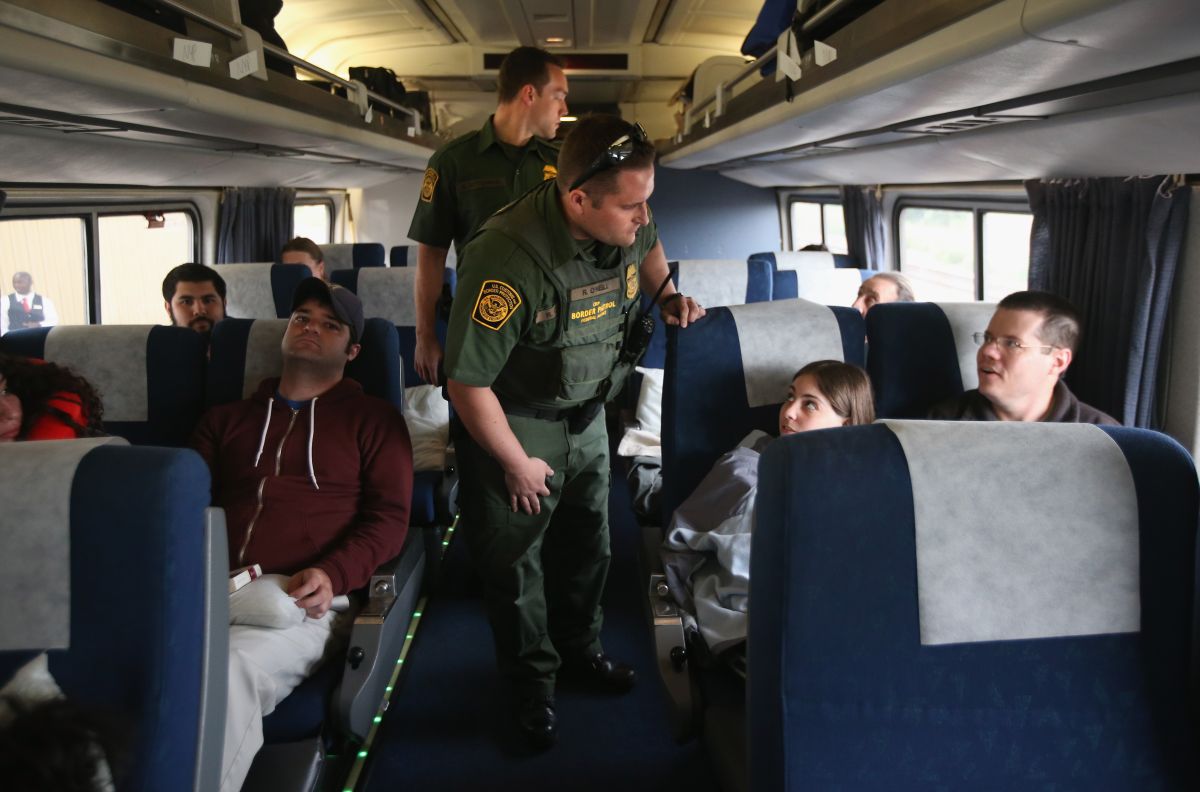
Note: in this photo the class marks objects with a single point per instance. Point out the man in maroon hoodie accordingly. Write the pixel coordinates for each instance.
(315, 478)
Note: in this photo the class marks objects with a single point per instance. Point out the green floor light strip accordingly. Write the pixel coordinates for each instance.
(360, 759)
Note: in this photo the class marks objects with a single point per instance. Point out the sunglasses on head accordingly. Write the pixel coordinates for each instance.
(617, 152)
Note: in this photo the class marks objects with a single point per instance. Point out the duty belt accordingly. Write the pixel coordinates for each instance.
(579, 416)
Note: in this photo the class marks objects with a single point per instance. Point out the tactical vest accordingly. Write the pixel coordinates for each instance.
(593, 309)
(18, 316)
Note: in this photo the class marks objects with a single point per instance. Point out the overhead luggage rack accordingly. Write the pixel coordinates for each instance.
(115, 75)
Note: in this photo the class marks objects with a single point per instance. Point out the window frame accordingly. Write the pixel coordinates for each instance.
(978, 206)
(325, 201)
(806, 197)
(90, 214)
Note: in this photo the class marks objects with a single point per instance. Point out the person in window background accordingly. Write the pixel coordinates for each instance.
(194, 297)
(707, 550)
(42, 401)
(26, 308)
(885, 287)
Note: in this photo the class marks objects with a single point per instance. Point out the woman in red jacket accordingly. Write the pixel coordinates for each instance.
(42, 401)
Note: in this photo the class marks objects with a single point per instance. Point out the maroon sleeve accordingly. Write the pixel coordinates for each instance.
(382, 522)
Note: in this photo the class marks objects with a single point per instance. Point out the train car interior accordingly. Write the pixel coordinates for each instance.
(938, 604)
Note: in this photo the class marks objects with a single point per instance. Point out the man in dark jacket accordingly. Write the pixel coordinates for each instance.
(315, 478)
(1022, 357)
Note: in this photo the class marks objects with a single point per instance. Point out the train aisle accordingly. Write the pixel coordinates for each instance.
(448, 727)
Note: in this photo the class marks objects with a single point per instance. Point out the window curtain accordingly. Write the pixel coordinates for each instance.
(862, 208)
(1112, 247)
(255, 223)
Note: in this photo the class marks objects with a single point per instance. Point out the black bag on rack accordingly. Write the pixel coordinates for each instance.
(380, 80)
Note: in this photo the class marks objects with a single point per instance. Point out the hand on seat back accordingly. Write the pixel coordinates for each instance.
(681, 310)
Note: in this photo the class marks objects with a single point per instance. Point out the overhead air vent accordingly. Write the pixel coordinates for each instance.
(55, 125)
(950, 126)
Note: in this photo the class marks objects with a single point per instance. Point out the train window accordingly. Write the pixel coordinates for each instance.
(1005, 253)
(937, 252)
(53, 251)
(136, 252)
(315, 221)
(817, 223)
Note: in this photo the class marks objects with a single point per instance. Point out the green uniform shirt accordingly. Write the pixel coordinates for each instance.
(472, 176)
(514, 330)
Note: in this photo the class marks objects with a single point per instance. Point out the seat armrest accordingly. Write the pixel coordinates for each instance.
(670, 650)
(377, 637)
(214, 690)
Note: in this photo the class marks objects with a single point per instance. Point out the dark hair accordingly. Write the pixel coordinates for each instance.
(524, 66)
(303, 245)
(192, 273)
(36, 383)
(1060, 320)
(57, 744)
(589, 139)
(846, 386)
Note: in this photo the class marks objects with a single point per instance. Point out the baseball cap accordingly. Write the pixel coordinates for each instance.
(344, 303)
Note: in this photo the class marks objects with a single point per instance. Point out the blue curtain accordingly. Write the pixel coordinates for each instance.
(1112, 247)
(862, 208)
(254, 224)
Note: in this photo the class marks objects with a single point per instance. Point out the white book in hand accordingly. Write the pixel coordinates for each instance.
(243, 575)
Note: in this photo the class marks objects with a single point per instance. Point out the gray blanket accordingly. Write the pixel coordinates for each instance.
(707, 549)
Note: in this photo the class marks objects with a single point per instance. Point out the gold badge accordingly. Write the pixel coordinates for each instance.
(631, 281)
(549, 172)
(497, 302)
(431, 177)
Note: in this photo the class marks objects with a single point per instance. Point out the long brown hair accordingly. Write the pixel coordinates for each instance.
(36, 383)
(847, 387)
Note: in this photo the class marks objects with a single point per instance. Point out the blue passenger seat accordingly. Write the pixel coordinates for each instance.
(726, 376)
(827, 286)
(334, 706)
(261, 291)
(388, 295)
(997, 606)
(150, 378)
(398, 256)
(353, 255)
(118, 569)
(922, 353)
(785, 260)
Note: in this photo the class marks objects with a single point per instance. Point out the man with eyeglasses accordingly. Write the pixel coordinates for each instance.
(1022, 356)
(545, 329)
(475, 174)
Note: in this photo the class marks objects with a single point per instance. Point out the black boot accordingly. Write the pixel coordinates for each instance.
(537, 720)
(602, 673)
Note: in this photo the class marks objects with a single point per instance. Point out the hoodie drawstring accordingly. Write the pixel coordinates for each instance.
(312, 431)
(262, 441)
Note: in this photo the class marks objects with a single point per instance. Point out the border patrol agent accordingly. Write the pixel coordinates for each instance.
(474, 175)
(544, 330)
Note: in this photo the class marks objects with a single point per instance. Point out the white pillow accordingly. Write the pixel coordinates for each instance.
(649, 406)
(265, 603)
(428, 418)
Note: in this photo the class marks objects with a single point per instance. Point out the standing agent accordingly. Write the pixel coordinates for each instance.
(544, 331)
(474, 175)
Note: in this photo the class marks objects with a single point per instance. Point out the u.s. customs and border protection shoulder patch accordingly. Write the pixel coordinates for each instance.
(496, 304)
(631, 281)
(428, 184)
(549, 172)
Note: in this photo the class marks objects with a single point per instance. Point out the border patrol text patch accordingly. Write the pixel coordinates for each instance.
(428, 184)
(496, 303)
(549, 172)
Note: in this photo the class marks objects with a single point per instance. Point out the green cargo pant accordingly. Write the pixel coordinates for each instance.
(543, 574)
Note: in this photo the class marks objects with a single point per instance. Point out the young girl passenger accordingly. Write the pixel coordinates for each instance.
(707, 549)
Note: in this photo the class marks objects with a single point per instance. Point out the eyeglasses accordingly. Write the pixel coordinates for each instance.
(1007, 344)
(617, 152)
